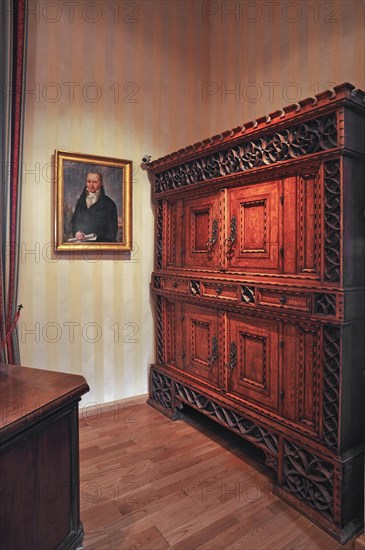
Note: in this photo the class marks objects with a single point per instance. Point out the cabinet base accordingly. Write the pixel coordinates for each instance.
(342, 535)
(310, 480)
(173, 415)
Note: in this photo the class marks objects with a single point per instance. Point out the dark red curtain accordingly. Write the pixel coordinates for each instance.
(12, 68)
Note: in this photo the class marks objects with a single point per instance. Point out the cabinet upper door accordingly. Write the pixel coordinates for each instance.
(254, 239)
(202, 232)
(253, 360)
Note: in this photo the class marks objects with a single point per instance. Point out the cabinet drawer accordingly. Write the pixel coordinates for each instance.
(217, 290)
(284, 299)
(177, 285)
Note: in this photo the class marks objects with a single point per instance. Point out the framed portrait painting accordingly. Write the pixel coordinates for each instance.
(93, 206)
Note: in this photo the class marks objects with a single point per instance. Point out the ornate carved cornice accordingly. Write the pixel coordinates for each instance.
(305, 109)
(319, 134)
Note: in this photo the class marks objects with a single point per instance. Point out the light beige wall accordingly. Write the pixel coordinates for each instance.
(272, 53)
(163, 70)
(146, 62)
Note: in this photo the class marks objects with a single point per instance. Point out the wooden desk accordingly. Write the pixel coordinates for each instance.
(39, 459)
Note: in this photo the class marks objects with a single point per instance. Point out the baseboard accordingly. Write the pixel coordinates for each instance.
(93, 409)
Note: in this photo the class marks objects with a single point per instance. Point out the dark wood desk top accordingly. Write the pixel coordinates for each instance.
(27, 395)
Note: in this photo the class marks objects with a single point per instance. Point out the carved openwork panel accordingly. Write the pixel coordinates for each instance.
(248, 294)
(331, 383)
(308, 478)
(237, 423)
(324, 304)
(194, 288)
(161, 389)
(332, 221)
(319, 134)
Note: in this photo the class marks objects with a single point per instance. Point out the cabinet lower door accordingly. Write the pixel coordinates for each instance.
(201, 345)
(253, 366)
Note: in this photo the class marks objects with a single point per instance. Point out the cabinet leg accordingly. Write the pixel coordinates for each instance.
(162, 395)
(315, 487)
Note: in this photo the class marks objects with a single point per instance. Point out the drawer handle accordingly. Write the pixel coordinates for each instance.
(219, 290)
(174, 285)
(283, 299)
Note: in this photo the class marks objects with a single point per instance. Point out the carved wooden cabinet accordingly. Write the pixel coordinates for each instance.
(259, 288)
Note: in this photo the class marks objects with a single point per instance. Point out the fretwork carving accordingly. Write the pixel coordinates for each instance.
(237, 423)
(332, 221)
(309, 137)
(195, 287)
(161, 389)
(325, 304)
(331, 384)
(248, 294)
(308, 478)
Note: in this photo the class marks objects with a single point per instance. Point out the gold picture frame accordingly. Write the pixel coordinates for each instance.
(93, 203)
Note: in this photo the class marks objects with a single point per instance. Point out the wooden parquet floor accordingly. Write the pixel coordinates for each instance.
(148, 483)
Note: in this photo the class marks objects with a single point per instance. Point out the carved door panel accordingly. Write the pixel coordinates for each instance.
(253, 360)
(201, 344)
(172, 233)
(309, 225)
(174, 356)
(254, 239)
(201, 218)
(301, 375)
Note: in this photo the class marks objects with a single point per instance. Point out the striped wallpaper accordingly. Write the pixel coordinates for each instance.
(124, 78)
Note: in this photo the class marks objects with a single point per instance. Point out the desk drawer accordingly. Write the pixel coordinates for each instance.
(177, 285)
(217, 290)
(284, 299)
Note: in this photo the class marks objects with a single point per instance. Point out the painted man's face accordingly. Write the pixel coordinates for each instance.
(93, 183)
